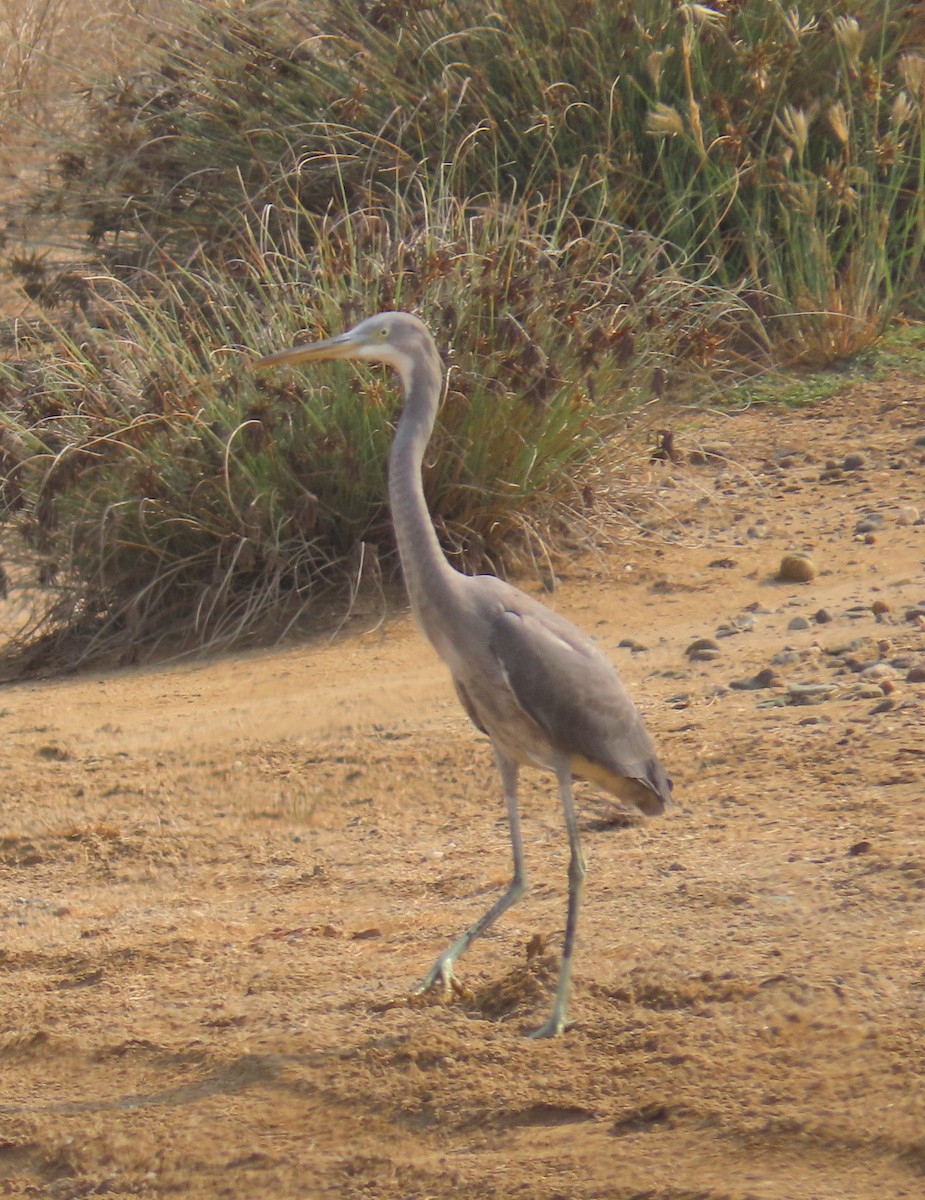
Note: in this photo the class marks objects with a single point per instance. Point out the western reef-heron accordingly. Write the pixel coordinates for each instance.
(527, 677)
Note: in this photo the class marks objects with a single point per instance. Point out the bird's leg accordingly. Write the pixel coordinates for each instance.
(576, 879)
(442, 970)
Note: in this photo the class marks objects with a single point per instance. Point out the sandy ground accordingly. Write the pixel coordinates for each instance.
(219, 881)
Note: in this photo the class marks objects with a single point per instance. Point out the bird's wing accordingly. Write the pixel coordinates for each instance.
(471, 711)
(572, 692)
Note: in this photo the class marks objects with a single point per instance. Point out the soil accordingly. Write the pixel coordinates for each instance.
(219, 882)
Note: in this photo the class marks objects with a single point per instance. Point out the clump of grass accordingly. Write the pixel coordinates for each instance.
(159, 484)
(782, 144)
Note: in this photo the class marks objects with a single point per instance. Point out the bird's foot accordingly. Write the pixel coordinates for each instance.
(439, 976)
(554, 1027)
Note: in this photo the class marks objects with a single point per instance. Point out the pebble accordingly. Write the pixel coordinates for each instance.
(823, 616)
(870, 523)
(741, 624)
(879, 607)
(713, 452)
(879, 671)
(916, 675)
(798, 623)
(810, 693)
(702, 650)
(796, 568)
(765, 678)
(801, 694)
(907, 515)
(854, 462)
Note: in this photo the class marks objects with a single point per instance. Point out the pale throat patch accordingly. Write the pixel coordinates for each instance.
(390, 355)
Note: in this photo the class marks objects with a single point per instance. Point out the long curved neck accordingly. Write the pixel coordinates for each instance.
(430, 579)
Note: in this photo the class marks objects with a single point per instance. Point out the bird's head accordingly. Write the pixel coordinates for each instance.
(396, 338)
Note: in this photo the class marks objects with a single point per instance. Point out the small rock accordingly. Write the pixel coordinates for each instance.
(741, 624)
(823, 616)
(862, 847)
(796, 568)
(907, 515)
(701, 647)
(766, 678)
(798, 623)
(810, 693)
(704, 654)
(916, 675)
(870, 523)
(784, 658)
(878, 671)
(885, 705)
(854, 462)
(879, 607)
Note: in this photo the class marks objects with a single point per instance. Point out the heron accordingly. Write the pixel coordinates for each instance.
(528, 678)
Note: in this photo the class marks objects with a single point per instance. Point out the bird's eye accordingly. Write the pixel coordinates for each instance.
(384, 333)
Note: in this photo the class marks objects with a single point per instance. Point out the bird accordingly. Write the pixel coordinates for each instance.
(529, 679)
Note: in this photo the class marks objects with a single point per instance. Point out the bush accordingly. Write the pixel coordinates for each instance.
(159, 481)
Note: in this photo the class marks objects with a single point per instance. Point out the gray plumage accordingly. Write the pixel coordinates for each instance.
(528, 678)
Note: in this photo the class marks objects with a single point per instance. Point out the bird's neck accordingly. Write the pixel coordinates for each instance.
(432, 583)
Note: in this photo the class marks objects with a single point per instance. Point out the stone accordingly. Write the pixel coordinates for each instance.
(798, 623)
(870, 523)
(796, 568)
(854, 462)
(702, 646)
(766, 678)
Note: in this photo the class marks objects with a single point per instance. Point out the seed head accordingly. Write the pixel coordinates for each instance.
(838, 119)
(699, 14)
(664, 121)
(850, 37)
(902, 109)
(654, 65)
(912, 70)
(794, 125)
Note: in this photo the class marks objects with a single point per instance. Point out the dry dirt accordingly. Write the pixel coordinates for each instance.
(219, 881)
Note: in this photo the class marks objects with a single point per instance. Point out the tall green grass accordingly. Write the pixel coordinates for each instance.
(782, 144)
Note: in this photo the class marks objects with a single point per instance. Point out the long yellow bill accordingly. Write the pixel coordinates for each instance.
(341, 346)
